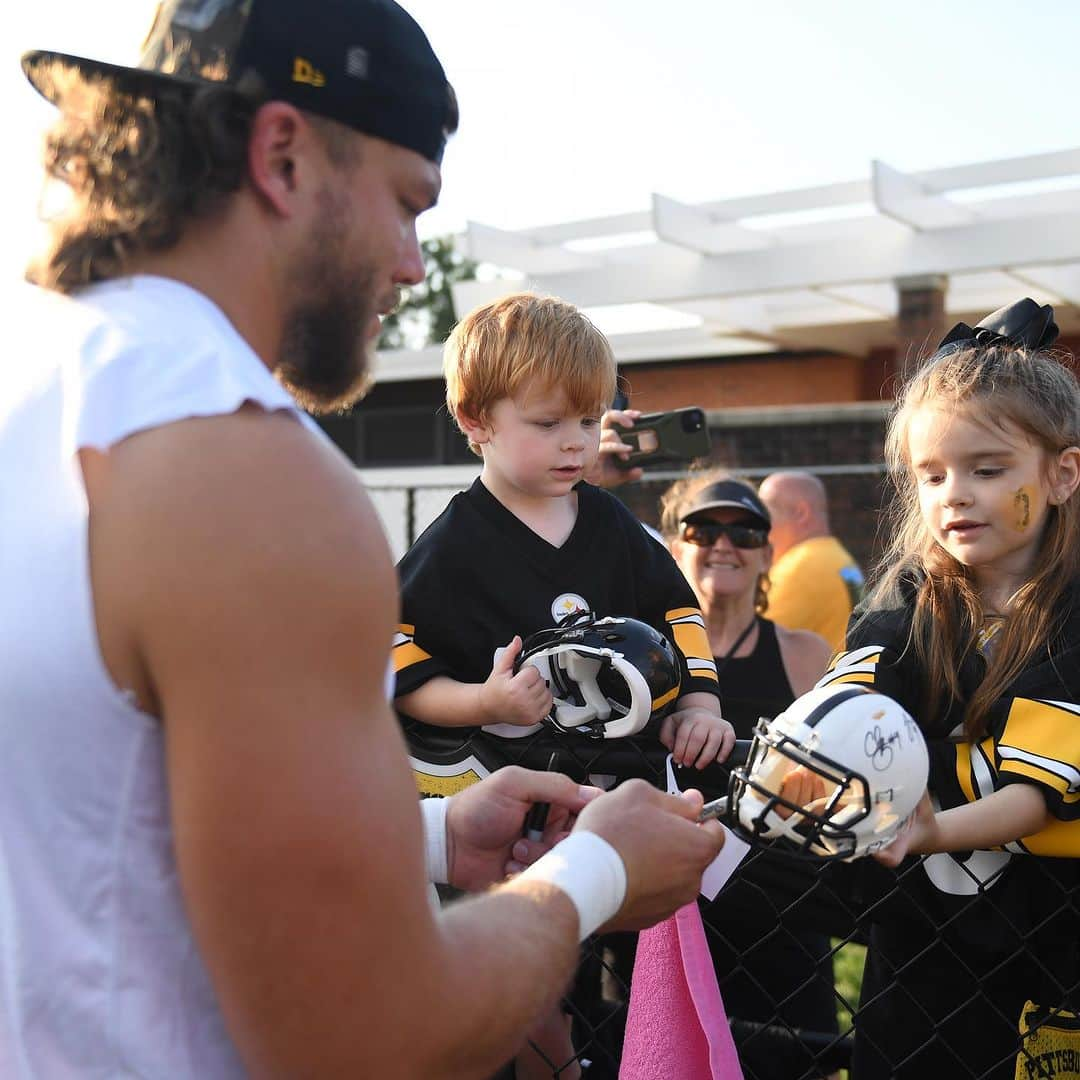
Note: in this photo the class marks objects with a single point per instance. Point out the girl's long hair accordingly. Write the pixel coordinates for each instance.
(1005, 388)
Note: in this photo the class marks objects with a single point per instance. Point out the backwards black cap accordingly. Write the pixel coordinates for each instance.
(364, 63)
(1023, 324)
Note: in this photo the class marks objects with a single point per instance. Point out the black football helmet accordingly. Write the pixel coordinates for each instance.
(609, 677)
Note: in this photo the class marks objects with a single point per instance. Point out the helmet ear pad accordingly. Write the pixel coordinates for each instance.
(594, 670)
(589, 686)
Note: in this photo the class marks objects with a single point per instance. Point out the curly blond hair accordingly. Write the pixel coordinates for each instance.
(137, 165)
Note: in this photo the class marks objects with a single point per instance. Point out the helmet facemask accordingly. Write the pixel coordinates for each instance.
(822, 828)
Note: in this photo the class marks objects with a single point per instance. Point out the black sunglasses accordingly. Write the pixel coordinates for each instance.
(706, 533)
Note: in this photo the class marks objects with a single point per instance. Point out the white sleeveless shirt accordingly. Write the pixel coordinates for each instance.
(99, 974)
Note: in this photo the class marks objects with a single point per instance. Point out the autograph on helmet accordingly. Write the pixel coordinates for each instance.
(879, 749)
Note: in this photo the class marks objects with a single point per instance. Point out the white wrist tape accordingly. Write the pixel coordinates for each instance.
(590, 871)
(433, 811)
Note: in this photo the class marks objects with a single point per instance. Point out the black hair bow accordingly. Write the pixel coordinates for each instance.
(1022, 324)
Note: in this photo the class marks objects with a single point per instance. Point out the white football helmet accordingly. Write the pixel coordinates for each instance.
(867, 762)
(608, 677)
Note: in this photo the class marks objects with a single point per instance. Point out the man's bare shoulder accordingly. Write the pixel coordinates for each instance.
(245, 524)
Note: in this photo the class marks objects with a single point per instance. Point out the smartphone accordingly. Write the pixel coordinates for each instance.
(664, 437)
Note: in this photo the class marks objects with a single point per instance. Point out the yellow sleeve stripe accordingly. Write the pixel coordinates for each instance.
(1037, 771)
(1061, 838)
(1041, 740)
(407, 654)
(867, 656)
(1021, 768)
(683, 613)
(859, 678)
(692, 641)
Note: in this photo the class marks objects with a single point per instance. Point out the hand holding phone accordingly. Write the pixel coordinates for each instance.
(666, 437)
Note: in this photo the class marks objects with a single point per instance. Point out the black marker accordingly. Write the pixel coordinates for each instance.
(536, 818)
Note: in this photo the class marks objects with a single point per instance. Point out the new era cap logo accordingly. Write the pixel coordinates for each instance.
(303, 71)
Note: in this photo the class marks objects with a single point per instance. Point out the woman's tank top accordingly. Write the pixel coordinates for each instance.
(756, 685)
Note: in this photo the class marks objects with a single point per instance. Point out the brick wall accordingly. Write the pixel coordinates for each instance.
(781, 379)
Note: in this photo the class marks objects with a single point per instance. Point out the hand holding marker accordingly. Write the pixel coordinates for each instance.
(536, 818)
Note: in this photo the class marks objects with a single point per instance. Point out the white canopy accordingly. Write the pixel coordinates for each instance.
(803, 269)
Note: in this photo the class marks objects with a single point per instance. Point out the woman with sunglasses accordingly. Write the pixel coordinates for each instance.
(718, 531)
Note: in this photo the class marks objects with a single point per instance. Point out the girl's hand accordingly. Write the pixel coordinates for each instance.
(917, 836)
(505, 698)
(803, 787)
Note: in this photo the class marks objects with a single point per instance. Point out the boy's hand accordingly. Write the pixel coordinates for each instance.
(505, 698)
(604, 472)
(696, 733)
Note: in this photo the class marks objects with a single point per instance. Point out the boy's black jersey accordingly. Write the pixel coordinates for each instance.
(478, 576)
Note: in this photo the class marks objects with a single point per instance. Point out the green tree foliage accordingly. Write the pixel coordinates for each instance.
(426, 313)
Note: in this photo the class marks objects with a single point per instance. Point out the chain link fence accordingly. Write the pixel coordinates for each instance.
(953, 966)
(789, 940)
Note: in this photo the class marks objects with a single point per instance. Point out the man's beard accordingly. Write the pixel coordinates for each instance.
(324, 359)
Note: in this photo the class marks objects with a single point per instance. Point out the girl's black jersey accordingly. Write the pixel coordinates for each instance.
(1033, 731)
(961, 943)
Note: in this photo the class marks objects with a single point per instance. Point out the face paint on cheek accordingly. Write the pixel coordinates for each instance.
(1022, 507)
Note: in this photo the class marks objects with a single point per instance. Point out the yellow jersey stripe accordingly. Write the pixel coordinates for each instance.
(1060, 838)
(407, 654)
(859, 678)
(682, 613)
(692, 641)
(1043, 776)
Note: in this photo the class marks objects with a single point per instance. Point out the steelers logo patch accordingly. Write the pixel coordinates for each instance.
(567, 604)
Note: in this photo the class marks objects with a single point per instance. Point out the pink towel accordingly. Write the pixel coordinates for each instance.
(676, 1025)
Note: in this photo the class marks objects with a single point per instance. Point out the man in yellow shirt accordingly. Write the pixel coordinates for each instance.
(815, 580)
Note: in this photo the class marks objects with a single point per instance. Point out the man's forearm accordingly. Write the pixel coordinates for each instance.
(508, 956)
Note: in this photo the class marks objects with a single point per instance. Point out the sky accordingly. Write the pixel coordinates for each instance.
(580, 108)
